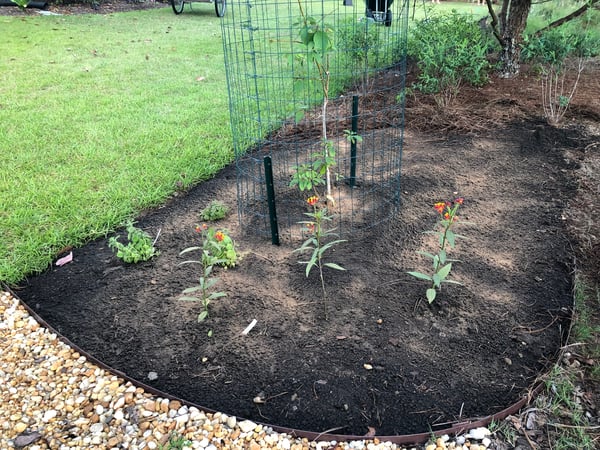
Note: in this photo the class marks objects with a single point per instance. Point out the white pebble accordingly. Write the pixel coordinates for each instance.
(231, 421)
(247, 426)
(478, 433)
(49, 415)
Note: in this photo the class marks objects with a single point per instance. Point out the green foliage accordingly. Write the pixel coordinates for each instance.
(22, 4)
(318, 242)
(72, 181)
(216, 210)
(357, 40)
(446, 239)
(216, 250)
(450, 50)
(139, 245)
(308, 176)
(553, 47)
(176, 442)
(551, 51)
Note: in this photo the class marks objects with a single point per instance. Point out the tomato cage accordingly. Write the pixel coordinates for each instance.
(316, 95)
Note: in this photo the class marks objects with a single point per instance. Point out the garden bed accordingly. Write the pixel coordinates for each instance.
(384, 361)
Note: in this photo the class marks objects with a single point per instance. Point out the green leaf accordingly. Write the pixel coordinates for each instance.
(427, 254)
(186, 298)
(442, 256)
(420, 276)
(334, 266)
(452, 282)
(305, 35)
(191, 289)
(216, 295)
(450, 237)
(202, 316)
(322, 41)
(444, 271)
(431, 293)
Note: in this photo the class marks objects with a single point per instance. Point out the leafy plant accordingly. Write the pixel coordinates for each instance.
(140, 246)
(551, 51)
(211, 250)
(317, 37)
(446, 238)
(22, 4)
(450, 51)
(216, 210)
(317, 243)
(176, 442)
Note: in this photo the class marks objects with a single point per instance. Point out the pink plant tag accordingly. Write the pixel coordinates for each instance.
(64, 260)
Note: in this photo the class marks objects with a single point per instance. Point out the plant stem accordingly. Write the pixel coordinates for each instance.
(323, 289)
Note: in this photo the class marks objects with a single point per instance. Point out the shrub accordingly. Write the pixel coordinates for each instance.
(450, 50)
(551, 52)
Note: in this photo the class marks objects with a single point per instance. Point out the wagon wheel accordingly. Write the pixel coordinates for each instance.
(177, 6)
(220, 7)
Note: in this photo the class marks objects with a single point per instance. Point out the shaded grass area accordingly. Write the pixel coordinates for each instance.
(102, 116)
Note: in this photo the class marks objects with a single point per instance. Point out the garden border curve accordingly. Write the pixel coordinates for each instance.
(417, 438)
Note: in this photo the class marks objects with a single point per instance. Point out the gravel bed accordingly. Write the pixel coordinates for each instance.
(53, 398)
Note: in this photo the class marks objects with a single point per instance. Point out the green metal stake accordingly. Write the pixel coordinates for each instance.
(353, 142)
(271, 200)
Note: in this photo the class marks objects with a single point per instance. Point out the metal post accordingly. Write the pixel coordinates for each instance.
(353, 142)
(271, 200)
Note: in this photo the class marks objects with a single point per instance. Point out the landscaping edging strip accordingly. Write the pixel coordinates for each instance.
(457, 428)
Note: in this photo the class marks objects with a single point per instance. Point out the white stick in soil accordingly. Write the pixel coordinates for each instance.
(249, 327)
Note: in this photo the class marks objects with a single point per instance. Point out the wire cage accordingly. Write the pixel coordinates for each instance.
(316, 96)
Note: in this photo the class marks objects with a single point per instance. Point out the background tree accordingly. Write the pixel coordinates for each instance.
(508, 27)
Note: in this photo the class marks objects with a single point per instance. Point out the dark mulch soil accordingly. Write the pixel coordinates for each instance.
(476, 350)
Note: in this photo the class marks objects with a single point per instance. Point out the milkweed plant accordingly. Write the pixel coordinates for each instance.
(318, 242)
(442, 266)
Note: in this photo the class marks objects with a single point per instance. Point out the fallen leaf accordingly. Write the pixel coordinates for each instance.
(372, 432)
(368, 366)
(25, 439)
(64, 260)
(201, 79)
(340, 338)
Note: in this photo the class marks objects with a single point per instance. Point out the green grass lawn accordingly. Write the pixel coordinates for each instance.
(101, 117)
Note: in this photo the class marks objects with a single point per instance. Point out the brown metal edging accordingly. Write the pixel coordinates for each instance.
(417, 438)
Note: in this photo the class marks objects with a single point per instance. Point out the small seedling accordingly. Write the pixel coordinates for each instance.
(140, 246)
(216, 210)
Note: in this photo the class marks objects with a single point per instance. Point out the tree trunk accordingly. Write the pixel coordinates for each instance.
(513, 18)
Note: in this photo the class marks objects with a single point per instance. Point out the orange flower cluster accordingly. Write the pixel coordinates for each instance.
(200, 229)
(312, 201)
(440, 207)
(219, 236)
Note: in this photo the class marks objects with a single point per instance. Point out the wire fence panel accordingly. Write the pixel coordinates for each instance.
(318, 88)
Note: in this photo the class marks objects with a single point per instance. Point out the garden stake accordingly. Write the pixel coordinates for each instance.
(353, 141)
(271, 200)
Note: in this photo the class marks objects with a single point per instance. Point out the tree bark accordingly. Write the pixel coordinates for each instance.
(513, 19)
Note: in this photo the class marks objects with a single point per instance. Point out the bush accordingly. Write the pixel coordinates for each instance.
(450, 50)
(554, 46)
(356, 39)
(550, 51)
